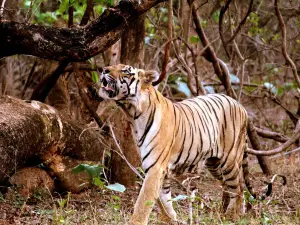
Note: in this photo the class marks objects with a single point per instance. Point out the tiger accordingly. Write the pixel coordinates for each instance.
(175, 138)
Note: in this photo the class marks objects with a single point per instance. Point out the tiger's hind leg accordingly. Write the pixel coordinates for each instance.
(230, 178)
(232, 195)
(168, 213)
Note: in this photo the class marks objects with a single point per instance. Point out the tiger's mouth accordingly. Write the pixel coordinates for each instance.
(110, 87)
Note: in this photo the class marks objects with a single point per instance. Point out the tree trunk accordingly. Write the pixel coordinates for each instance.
(33, 130)
(131, 53)
(262, 160)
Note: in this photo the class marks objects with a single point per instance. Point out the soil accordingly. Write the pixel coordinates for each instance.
(102, 206)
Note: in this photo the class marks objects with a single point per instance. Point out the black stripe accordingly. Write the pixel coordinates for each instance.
(131, 81)
(146, 170)
(148, 126)
(156, 95)
(224, 112)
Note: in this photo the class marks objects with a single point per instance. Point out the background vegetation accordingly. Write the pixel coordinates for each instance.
(246, 49)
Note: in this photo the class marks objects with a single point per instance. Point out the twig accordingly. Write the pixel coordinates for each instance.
(292, 116)
(28, 80)
(28, 14)
(239, 94)
(199, 87)
(168, 45)
(284, 50)
(242, 69)
(82, 92)
(225, 43)
(187, 69)
(121, 154)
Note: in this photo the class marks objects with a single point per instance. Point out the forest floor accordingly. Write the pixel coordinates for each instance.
(105, 207)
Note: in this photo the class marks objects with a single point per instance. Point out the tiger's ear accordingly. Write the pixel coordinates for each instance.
(148, 76)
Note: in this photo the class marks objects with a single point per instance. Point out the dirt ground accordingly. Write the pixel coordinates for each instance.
(106, 207)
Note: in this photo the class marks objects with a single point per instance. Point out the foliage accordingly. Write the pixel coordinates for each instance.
(59, 15)
(95, 173)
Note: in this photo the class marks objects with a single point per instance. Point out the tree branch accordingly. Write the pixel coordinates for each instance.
(42, 90)
(241, 23)
(222, 13)
(281, 148)
(82, 89)
(271, 135)
(71, 13)
(168, 45)
(210, 55)
(284, 51)
(72, 44)
(87, 13)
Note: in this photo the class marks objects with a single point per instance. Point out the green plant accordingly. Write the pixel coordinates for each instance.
(95, 173)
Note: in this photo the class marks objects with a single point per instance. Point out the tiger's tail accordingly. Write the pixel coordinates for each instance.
(246, 175)
(247, 181)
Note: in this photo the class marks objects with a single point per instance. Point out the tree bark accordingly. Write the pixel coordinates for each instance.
(71, 44)
(33, 130)
(132, 43)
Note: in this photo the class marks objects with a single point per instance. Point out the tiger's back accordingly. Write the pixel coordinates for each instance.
(211, 126)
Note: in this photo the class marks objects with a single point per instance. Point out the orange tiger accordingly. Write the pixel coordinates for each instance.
(177, 138)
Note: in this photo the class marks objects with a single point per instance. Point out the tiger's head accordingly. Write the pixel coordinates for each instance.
(123, 82)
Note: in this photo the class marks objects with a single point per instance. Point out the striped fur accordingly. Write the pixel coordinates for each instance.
(177, 138)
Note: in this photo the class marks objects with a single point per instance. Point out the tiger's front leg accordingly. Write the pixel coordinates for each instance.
(148, 195)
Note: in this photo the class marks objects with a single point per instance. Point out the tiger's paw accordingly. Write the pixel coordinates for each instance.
(136, 221)
(171, 218)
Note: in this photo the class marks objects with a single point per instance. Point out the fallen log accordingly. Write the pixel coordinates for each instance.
(33, 130)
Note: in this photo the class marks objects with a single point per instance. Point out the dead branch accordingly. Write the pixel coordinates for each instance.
(281, 148)
(83, 67)
(284, 50)
(168, 45)
(42, 90)
(271, 135)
